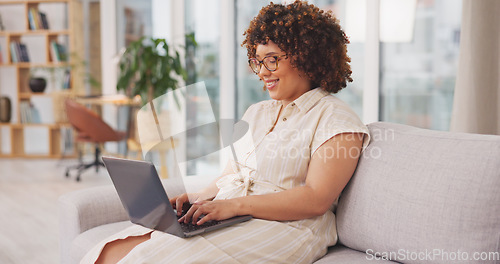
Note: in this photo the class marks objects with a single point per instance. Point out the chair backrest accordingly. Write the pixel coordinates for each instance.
(89, 125)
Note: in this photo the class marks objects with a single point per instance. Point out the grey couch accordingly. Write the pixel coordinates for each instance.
(417, 196)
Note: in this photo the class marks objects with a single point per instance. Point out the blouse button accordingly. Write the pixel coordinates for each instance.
(284, 118)
(293, 104)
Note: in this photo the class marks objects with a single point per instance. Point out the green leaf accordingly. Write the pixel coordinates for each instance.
(148, 62)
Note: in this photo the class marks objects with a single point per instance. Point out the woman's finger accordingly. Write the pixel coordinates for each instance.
(179, 202)
(189, 214)
(204, 219)
(202, 211)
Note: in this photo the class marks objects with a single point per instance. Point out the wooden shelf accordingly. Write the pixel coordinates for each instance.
(45, 1)
(40, 45)
(37, 32)
(29, 65)
(24, 125)
(20, 2)
(28, 95)
(12, 2)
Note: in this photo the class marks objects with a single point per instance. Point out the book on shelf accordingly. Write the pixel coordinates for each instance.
(33, 18)
(43, 20)
(19, 52)
(63, 55)
(1, 58)
(24, 56)
(13, 52)
(37, 20)
(58, 52)
(19, 57)
(25, 110)
(66, 80)
(29, 113)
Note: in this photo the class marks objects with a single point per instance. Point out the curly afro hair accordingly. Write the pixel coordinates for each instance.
(312, 38)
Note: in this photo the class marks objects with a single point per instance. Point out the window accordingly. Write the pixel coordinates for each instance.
(418, 72)
(133, 20)
(202, 62)
(249, 88)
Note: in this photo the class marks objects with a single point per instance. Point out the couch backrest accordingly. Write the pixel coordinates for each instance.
(424, 196)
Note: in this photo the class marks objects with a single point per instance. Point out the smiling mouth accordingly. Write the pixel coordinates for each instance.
(271, 84)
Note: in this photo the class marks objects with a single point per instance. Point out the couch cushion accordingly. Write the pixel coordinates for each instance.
(342, 255)
(424, 196)
(86, 240)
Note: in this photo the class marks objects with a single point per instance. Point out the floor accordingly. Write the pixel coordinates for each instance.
(29, 190)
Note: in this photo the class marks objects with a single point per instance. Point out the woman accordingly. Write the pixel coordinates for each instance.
(306, 144)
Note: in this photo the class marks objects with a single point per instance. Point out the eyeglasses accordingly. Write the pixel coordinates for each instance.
(270, 62)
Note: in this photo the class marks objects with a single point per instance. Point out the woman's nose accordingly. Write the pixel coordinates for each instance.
(264, 71)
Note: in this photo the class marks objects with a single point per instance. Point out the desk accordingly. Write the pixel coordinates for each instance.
(115, 99)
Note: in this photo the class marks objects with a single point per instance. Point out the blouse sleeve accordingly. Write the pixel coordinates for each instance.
(336, 120)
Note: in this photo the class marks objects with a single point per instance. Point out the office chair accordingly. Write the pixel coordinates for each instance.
(90, 128)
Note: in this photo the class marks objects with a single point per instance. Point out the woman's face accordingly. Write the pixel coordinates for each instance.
(286, 83)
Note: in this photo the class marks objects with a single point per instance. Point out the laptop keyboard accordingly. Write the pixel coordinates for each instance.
(189, 227)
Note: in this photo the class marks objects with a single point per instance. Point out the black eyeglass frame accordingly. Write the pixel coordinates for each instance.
(261, 62)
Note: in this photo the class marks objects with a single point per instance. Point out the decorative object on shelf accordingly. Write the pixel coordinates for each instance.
(58, 78)
(37, 84)
(147, 69)
(5, 109)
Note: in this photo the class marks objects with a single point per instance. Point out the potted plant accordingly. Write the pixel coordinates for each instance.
(149, 69)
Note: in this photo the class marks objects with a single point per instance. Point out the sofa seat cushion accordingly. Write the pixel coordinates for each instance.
(88, 239)
(340, 254)
(424, 196)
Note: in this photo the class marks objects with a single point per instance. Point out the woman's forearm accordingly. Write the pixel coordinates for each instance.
(294, 204)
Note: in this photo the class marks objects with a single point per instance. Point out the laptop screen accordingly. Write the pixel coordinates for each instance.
(140, 190)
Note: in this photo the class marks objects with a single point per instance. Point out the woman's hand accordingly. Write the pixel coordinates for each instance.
(211, 210)
(178, 201)
(185, 201)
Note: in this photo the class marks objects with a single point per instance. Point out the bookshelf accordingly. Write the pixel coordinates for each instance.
(36, 39)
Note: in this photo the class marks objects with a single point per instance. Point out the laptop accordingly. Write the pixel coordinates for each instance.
(146, 202)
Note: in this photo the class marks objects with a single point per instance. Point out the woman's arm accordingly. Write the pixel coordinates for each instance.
(330, 168)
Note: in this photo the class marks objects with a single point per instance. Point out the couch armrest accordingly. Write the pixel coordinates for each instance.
(84, 209)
